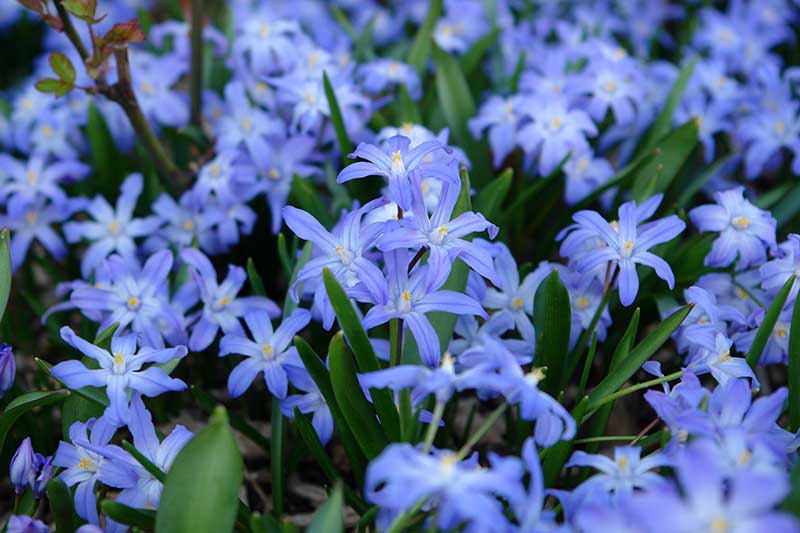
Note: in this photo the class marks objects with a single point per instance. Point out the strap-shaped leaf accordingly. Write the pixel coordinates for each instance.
(24, 404)
(767, 325)
(140, 518)
(319, 373)
(454, 95)
(552, 319)
(5, 270)
(357, 411)
(336, 119)
(671, 153)
(201, 492)
(364, 352)
(421, 48)
(794, 369)
(330, 517)
(490, 199)
(61, 504)
(665, 119)
(639, 355)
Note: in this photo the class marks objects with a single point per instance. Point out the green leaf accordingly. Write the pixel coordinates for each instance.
(421, 48)
(454, 95)
(785, 210)
(148, 465)
(309, 436)
(76, 408)
(264, 524)
(207, 404)
(306, 197)
(552, 318)
(490, 199)
(364, 352)
(638, 356)
(766, 327)
(330, 517)
(61, 505)
(663, 122)
(276, 457)
(5, 270)
(408, 112)
(670, 153)
(255, 278)
(139, 518)
(62, 66)
(472, 58)
(201, 492)
(290, 305)
(319, 373)
(794, 369)
(355, 407)
(336, 118)
(103, 339)
(24, 404)
(52, 85)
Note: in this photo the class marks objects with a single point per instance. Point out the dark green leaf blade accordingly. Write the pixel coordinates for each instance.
(139, 518)
(766, 327)
(552, 318)
(330, 517)
(24, 404)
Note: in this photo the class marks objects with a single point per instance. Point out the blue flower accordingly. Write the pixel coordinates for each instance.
(38, 176)
(190, 218)
(221, 307)
(395, 161)
(33, 219)
(120, 370)
(442, 234)
(311, 401)
(380, 74)
(135, 297)
(626, 244)
(501, 118)
(112, 230)
(153, 78)
(620, 476)
(269, 352)
(744, 229)
(343, 253)
(411, 297)
(25, 524)
(8, 368)
(776, 272)
(22, 469)
(83, 467)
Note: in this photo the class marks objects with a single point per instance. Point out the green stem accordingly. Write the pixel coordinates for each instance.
(486, 426)
(589, 440)
(396, 340)
(196, 73)
(276, 458)
(70, 32)
(400, 522)
(433, 427)
(633, 388)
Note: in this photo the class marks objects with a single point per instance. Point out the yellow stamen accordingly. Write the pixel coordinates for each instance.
(147, 87)
(188, 225)
(628, 245)
(718, 525)
(780, 127)
(744, 457)
(47, 131)
(114, 227)
(622, 462)
(225, 300)
(741, 222)
(406, 296)
(266, 349)
(273, 174)
(555, 123)
(610, 86)
(407, 127)
(741, 293)
(246, 124)
(119, 359)
(614, 225)
(85, 464)
(516, 302)
(133, 302)
(30, 216)
(780, 332)
(31, 176)
(215, 170)
(583, 302)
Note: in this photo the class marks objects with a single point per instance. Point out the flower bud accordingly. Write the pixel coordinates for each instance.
(7, 368)
(44, 469)
(22, 470)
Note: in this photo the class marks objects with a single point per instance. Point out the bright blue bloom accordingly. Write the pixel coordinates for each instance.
(777, 347)
(145, 493)
(767, 132)
(614, 85)
(112, 230)
(472, 334)
(710, 116)
(626, 245)
(513, 296)
(584, 173)
(8, 368)
(84, 467)
(153, 78)
(464, 23)
(225, 176)
(22, 469)
(33, 219)
(411, 297)
(442, 234)
(706, 318)
(26, 524)
(37, 176)
(709, 502)
(266, 43)
(190, 218)
(501, 118)
(311, 401)
(402, 475)
(394, 161)
(120, 370)
(620, 476)
(379, 75)
(744, 229)
(135, 297)
(179, 32)
(715, 357)
(269, 352)
(555, 131)
(736, 296)
(529, 509)
(284, 160)
(343, 253)
(776, 272)
(246, 125)
(221, 307)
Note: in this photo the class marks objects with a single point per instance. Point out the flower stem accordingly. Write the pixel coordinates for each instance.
(486, 426)
(433, 427)
(196, 73)
(633, 388)
(396, 341)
